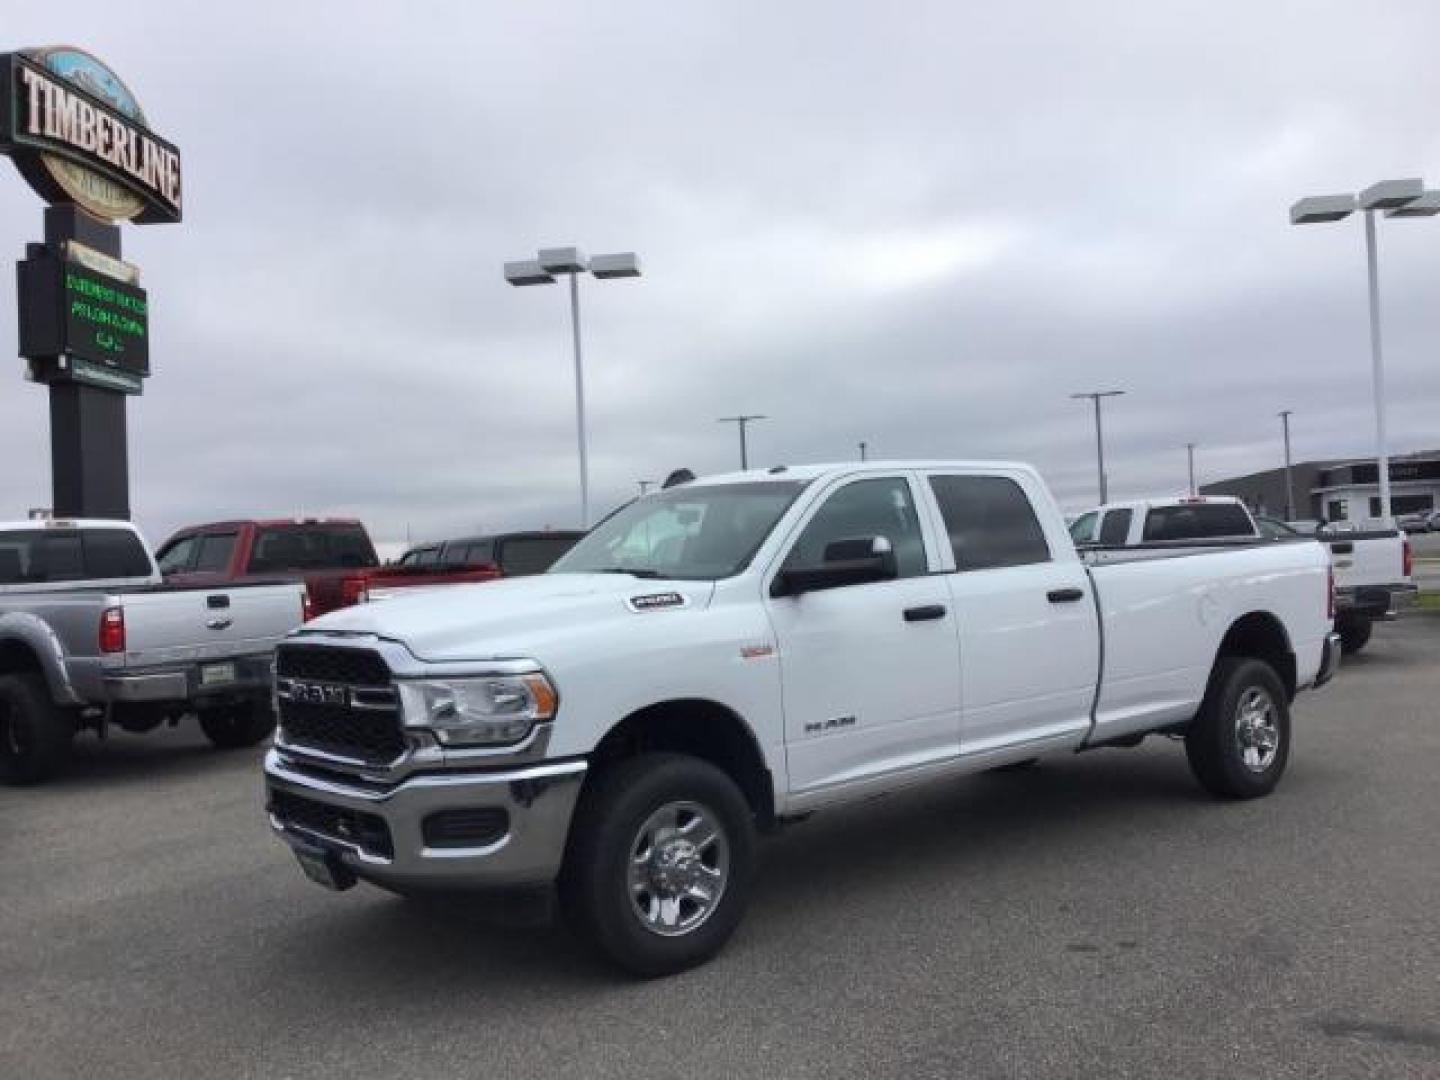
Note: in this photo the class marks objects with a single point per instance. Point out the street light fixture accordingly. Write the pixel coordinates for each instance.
(741, 422)
(1398, 199)
(570, 262)
(1095, 396)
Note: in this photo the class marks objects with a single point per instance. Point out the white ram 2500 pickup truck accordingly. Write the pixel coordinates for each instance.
(719, 657)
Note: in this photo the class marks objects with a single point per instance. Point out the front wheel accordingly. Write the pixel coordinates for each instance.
(1239, 742)
(232, 727)
(657, 874)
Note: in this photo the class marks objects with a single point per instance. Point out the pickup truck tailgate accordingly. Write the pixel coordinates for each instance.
(1367, 558)
(165, 625)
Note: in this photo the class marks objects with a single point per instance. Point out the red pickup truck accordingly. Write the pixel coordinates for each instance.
(333, 556)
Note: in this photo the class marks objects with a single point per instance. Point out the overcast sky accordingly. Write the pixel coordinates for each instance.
(921, 225)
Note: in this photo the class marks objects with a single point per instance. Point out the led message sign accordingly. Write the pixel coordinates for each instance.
(91, 326)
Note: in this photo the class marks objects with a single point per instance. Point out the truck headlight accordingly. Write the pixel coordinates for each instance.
(487, 710)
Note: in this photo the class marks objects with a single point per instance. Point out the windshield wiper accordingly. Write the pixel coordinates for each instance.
(632, 571)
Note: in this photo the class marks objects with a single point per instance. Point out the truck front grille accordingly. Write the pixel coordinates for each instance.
(338, 701)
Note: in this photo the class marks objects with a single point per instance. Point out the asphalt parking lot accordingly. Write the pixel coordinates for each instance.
(1094, 917)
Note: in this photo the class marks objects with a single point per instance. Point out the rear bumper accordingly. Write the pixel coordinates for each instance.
(381, 833)
(254, 675)
(1374, 601)
(1329, 660)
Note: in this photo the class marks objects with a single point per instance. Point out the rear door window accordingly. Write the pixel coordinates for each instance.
(522, 555)
(1197, 521)
(1116, 527)
(990, 521)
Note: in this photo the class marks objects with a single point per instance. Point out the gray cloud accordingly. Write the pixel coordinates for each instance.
(922, 226)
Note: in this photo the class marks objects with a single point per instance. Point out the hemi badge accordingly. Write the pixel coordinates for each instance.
(656, 601)
(755, 652)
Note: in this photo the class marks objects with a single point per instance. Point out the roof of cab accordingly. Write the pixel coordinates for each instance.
(777, 473)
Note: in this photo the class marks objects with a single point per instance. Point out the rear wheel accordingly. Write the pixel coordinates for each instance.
(658, 871)
(35, 736)
(1239, 742)
(1354, 635)
(232, 727)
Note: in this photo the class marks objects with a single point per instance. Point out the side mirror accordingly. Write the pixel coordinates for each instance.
(855, 560)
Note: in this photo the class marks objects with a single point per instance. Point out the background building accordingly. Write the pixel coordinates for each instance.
(1339, 490)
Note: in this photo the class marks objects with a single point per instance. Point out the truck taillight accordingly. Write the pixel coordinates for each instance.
(1407, 563)
(1330, 593)
(112, 630)
(353, 590)
(307, 606)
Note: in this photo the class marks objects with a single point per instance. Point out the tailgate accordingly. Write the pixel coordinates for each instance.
(173, 626)
(1361, 560)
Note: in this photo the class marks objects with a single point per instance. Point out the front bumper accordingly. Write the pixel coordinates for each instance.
(537, 800)
(1329, 660)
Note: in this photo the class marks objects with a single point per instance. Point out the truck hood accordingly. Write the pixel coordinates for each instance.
(509, 618)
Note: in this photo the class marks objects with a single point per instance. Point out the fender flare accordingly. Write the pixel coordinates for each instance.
(38, 637)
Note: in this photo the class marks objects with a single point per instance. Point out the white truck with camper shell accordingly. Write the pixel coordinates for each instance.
(724, 656)
(1372, 565)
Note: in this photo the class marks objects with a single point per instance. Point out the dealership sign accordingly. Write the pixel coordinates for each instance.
(78, 135)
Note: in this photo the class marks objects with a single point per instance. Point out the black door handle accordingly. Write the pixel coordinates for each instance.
(1065, 596)
(921, 614)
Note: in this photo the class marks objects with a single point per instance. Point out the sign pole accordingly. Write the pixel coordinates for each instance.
(89, 460)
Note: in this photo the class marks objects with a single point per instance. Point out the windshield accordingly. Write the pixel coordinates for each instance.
(695, 533)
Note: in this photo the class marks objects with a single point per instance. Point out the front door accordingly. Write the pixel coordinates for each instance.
(870, 672)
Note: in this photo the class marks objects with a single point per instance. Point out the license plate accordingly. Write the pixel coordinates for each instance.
(216, 674)
(324, 868)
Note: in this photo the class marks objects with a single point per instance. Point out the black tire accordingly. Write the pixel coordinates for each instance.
(234, 727)
(611, 824)
(1354, 635)
(35, 736)
(1231, 756)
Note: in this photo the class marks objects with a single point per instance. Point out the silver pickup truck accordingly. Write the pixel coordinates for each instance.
(90, 636)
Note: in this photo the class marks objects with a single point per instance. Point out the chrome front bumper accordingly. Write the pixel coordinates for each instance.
(538, 800)
(1329, 660)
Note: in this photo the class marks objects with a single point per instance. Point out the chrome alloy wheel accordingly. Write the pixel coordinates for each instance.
(679, 865)
(1257, 729)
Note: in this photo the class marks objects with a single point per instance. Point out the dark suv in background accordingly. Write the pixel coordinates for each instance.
(509, 554)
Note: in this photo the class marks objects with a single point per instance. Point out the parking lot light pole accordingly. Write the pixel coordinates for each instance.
(742, 422)
(1095, 396)
(1190, 456)
(571, 262)
(862, 446)
(1285, 415)
(1398, 199)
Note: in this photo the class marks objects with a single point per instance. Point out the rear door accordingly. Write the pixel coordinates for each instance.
(1029, 633)
(870, 672)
